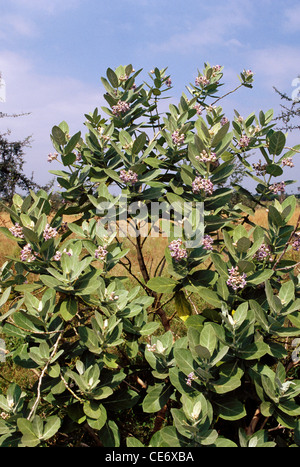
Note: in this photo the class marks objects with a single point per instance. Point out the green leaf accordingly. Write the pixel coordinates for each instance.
(72, 143)
(157, 397)
(51, 427)
(276, 143)
(230, 409)
(208, 338)
(162, 284)
(133, 443)
(259, 277)
(58, 135)
(111, 75)
(182, 305)
(68, 308)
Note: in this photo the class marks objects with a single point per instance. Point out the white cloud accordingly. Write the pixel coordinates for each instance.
(50, 100)
(292, 19)
(216, 27)
(46, 6)
(276, 66)
(16, 24)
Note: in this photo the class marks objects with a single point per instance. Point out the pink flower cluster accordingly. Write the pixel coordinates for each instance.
(248, 73)
(296, 242)
(58, 255)
(201, 81)
(49, 232)
(202, 184)
(259, 168)
(236, 280)
(277, 187)
(27, 255)
(101, 253)
(129, 177)
(198, 109)
(204, 157)
(288, 161)
(207, 242)
(178, 138)
(17, 231)
(52, 157)
(168, 82)
(120, 108)
(191, 377)
(244, 141)
(264, 252)
(178, 252)
(224, 120)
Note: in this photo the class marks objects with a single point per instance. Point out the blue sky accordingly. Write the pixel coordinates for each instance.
(53, 53)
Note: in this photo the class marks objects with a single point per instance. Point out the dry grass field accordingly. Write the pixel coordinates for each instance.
(153, 247)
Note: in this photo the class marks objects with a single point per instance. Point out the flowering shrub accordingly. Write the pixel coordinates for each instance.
(204, 347)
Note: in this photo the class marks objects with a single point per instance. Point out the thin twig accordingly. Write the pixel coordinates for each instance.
(41, 378)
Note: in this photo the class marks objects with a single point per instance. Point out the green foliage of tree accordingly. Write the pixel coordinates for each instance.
(106, 354)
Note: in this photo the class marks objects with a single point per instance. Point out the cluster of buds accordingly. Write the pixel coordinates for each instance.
(49, 232)
(248, 73)
(101, 253)
(204, 157)
(277, 187)
(64, 227)
(52, 157)
(260, 168)
(198, 109)
(120, 108)
(207, 242)
(151, 348)
(217, 67)
(178, 252)
(58, 255)
(17, 231)
(224, 120)
(236, 280)
(263, 253)
(288, 161)
(168, 82)
(296, 241)
(202, 184)
(201, 81)
(244, 141)
(191, 377)
(178, 138)
(129, 177)
(27, 255)
(113, 296)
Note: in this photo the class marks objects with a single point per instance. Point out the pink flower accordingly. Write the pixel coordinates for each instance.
(204, 157)
(177, 138)
(27, 255)
(264, 252)
(178, 252)
(288, 162)
(277, 187)
(129, 177)
(244, 141)
(296, 242)
(49, 232)
(17, 231)
(120, 108)
(201, 81)
(207, 242)
(101, 253)
(202, 184)
(236, 280)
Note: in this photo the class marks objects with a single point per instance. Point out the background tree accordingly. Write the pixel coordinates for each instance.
(290, 110)
(12, 160)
